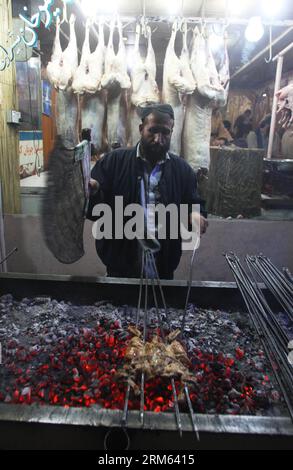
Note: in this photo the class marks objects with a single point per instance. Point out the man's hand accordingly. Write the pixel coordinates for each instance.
(218, 142)
(94, 185)
(198, 220)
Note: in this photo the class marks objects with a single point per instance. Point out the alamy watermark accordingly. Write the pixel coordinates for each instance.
(153, 221)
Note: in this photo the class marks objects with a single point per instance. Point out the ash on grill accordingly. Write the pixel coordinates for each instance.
(69, 355)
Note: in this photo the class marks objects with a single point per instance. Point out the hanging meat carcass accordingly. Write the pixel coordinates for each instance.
(116, 80)
(285, 105)
(177, 82)
(223, 70)
(83, 70)
(87, 78)
(144, 87)
(63, 64)
(209, 92)
(89, 83)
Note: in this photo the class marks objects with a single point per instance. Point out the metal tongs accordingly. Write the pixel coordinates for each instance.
(151, 246)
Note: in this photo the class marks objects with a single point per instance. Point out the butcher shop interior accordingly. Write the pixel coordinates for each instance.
(118, 331)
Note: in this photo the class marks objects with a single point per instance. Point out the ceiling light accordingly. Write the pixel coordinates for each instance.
(92, 7)
(255, 30)
(89, 7)
(237, 7)
(173, 7)
(272, 7)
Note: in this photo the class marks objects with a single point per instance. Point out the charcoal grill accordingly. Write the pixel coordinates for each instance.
(53, 427)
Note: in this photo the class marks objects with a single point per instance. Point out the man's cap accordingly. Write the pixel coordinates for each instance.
(161, 108)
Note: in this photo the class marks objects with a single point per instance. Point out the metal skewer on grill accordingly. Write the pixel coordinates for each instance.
(276, 282)
(270, 339)
(148, 263)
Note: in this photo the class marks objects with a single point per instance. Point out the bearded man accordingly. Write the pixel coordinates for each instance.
(147, 174)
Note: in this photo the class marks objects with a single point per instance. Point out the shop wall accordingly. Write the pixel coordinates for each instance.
(273, 238)
(8, 134)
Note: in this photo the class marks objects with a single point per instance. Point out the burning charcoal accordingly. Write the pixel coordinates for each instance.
(68, 355)
(227, 385)
(275, 396)
(8, 398)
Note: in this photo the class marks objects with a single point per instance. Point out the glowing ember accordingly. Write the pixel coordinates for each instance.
(81, 370)
(61, 362)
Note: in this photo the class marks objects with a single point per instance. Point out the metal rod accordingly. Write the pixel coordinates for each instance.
(267, 341)
(261, 53)
(176, 406)
(283, 297)
(191, 412)
(189, 283)
(283, 337)
(145, 300)
(279, 352)
(161, 289)
(283, 279)
(288, 275)
(140, 290)
(9, 254)
(283, 52)
(275, 286)
(141, 413)
(125, 410)
(275, 105)
(157, 309)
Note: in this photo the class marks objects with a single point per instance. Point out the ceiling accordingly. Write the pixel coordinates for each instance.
(240, 51)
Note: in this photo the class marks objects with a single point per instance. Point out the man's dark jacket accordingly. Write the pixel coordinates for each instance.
(119, 174)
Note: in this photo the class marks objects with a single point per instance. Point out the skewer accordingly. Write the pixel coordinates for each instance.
(282, 336)
(274, 354)
(191, 412)
(288, 275)
(144, 339)
(8, 256)
(160, 288)
(125, 409)
(189, 283)
(140, 291)
(141, 413)
(282, 277)
(275, 284)
(176, 405)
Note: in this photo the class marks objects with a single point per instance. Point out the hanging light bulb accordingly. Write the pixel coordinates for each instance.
(255, 30)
